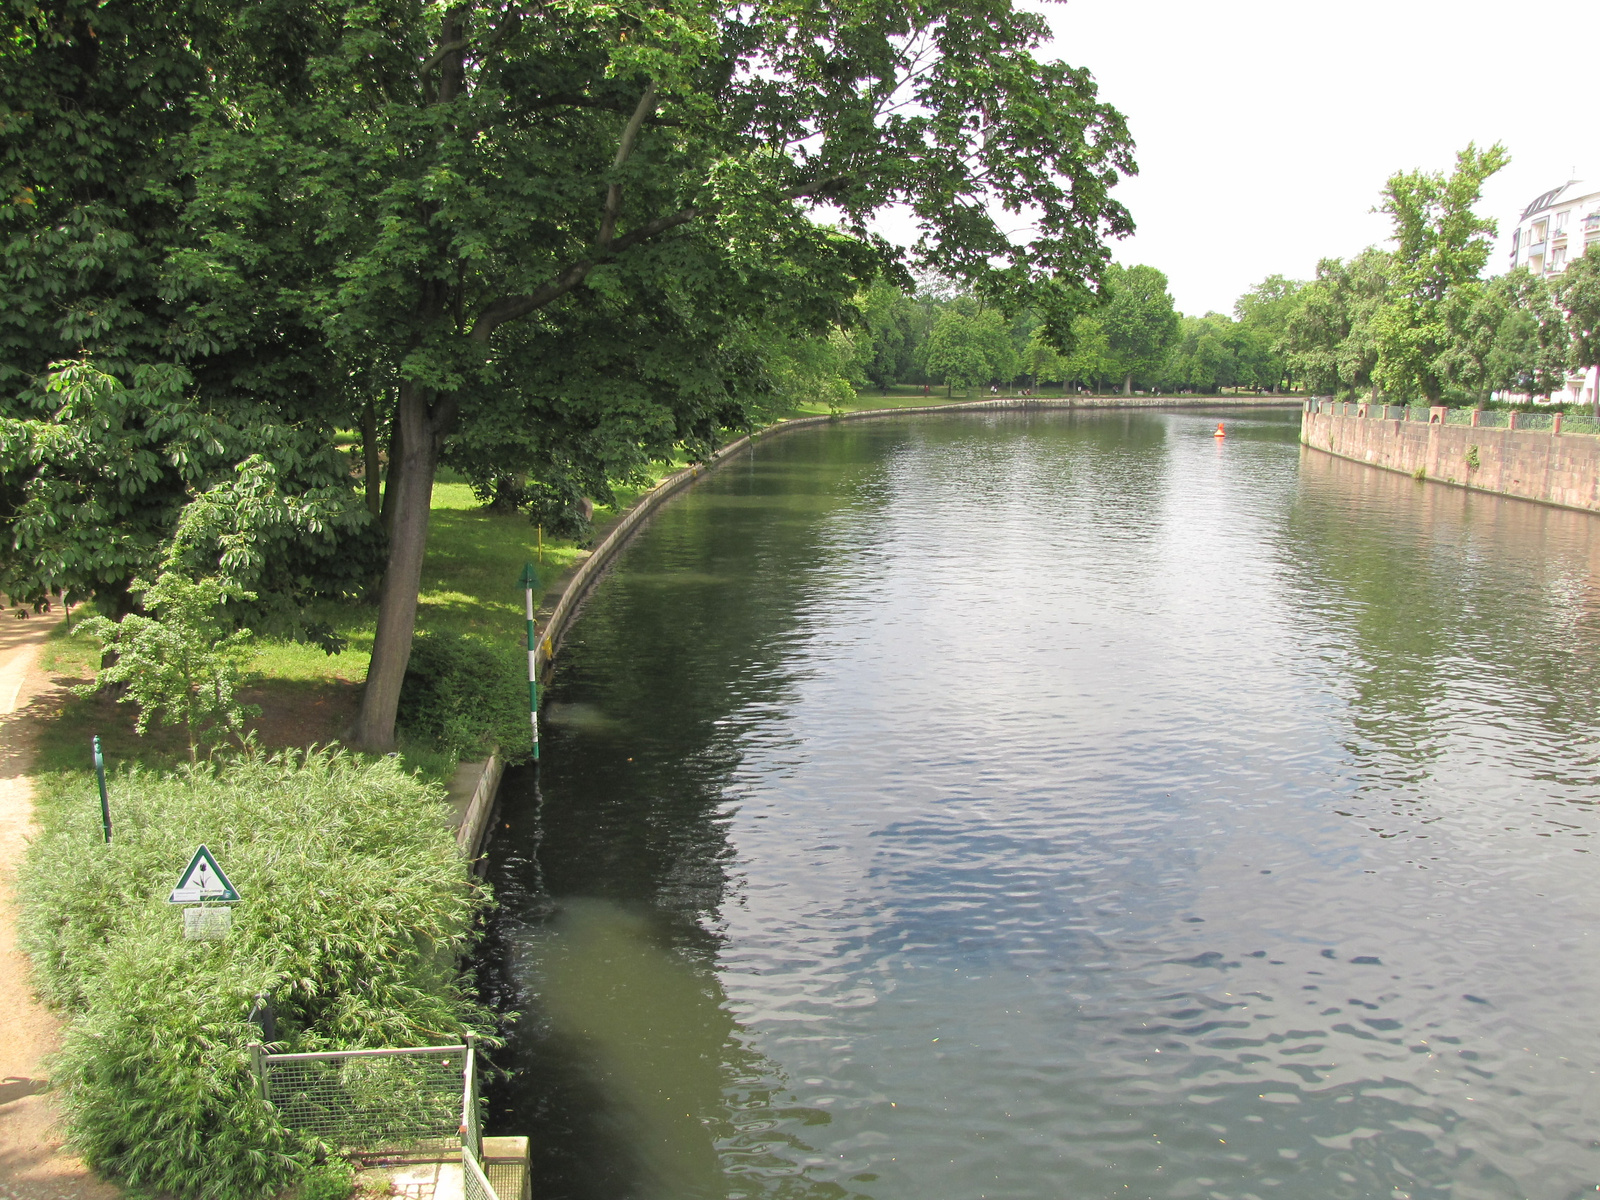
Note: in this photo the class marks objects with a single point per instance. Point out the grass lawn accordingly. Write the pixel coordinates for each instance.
(469, 587)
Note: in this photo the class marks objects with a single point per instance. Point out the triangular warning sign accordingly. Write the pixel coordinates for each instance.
(201, 880)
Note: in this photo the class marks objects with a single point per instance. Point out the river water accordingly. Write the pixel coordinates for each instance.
(1064, 805)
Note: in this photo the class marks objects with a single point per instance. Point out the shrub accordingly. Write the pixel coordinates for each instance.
(356, 911)
(183, 665)
(462, 697)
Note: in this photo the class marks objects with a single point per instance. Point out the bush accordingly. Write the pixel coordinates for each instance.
(461, 697)
(356, 911)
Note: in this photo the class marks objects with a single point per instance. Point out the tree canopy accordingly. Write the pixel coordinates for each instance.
(545, 244)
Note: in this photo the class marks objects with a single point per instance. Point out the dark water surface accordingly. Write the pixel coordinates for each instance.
(1064, 805)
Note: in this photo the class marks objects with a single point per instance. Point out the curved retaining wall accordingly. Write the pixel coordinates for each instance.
(474, 789)
(1529, 464)
(592, 568)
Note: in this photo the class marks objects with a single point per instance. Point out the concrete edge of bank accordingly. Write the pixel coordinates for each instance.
(567, 606)
(473, 790)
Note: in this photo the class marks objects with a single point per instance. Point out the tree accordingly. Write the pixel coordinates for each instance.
(1263, 314)
(483, 176)
(126, 385)
(887, 341)
(1090, 360)
(970, 346)
(1441, 247)
(1140, 321)
(1329, 340)
(1579, 292)
(1205, 356)
(1042, 360)
(182, 665)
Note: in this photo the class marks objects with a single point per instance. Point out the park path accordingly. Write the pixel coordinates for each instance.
(32, 1164)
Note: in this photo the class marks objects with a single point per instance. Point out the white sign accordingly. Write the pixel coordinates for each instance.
(207, 924)
(201, 880)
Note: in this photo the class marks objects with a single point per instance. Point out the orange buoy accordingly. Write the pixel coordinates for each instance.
(1220, 432)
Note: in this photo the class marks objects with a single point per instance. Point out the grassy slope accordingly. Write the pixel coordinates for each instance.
(469, 587)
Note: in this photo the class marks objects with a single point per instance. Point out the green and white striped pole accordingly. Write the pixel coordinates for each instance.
(530, 581)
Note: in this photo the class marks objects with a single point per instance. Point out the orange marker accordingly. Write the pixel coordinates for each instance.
(1219, 432)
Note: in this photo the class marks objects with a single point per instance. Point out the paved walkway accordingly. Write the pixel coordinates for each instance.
(32, 1166)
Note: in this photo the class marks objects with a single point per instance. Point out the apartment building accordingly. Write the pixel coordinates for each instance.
(1558, 227)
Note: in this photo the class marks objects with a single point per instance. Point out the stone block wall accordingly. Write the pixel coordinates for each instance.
(1550, 467)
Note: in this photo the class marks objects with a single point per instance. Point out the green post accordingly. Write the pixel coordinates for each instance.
(530, 581)
(105, 803)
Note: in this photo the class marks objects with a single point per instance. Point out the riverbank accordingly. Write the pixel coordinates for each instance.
(469, 587)
(1542, 465)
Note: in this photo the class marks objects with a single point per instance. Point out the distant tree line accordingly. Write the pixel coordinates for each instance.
(1414, 322)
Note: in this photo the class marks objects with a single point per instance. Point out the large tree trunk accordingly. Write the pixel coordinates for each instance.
(407, 500)
(370, 466)
(1127, 384)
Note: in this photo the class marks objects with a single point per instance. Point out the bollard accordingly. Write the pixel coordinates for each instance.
(529, 581)
(105, 802)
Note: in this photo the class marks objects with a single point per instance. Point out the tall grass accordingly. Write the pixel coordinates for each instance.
(356, 911)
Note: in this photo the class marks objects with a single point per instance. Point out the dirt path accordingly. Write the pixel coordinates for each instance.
(32, 1166)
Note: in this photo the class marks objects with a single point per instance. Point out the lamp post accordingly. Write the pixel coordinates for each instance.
(530, 581)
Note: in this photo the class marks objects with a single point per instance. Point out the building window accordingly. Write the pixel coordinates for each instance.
(1561, 221)
(1558, 258)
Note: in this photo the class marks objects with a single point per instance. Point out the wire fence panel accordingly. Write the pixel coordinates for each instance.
(475, 1184)
(1534, 420)
(508, 1178)
(365, 1101)
(1458, 416)
(1572, 423)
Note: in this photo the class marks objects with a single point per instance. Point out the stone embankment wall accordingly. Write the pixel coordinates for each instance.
(1546, 465)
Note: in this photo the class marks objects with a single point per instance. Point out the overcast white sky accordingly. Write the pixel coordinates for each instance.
(1266, 128)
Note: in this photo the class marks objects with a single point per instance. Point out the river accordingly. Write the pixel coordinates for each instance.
(1063, 805)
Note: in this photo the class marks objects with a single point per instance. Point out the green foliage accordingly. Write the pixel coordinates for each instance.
(1329, 338)
(182, 665)
(1140, 321)
(331, 1180)
(1263, 314)
(357, 909)
(1579, 294)
(463, 698)
(969, 346)
(1441, 247)
(1090, 360)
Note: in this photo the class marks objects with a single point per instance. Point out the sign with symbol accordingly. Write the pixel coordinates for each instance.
(201, 880)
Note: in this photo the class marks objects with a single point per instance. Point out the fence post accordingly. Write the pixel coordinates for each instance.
(1556, 428)
(260, 1069)
(1511, 423)
(470, 1136)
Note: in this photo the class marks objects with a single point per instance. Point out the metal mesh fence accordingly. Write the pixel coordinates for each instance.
(1537, 420)
(475, 1184)
(1572, 423)
(507, 1178)
(369, 1101)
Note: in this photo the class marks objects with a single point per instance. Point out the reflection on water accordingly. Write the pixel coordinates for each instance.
(1064, 805)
